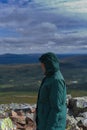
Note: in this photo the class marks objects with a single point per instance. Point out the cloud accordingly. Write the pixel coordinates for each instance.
(78, 6)
(75, 6)
(62, 43)
(34, 26)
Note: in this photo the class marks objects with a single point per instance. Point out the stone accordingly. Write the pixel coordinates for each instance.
(77, 105)
(23, 115)
(84, 115)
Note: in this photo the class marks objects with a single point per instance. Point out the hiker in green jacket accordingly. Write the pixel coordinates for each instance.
(51, 102)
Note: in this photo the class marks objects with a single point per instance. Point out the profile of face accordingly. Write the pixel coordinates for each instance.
(43, 67)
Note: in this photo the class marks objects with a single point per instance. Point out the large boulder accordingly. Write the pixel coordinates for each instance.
(78, 105)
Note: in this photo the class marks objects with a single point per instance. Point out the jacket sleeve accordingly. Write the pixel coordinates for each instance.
(56, 96)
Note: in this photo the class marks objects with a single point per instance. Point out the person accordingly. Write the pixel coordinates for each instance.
(51, 103)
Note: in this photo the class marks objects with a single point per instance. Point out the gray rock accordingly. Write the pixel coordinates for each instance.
(78, 105)
(84, 115)
(84, 122)
(83, 119)
(71, 123)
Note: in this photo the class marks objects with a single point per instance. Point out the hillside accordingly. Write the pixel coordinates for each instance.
(19, 82)
(25, 77)
(75, 60)
(20, 77)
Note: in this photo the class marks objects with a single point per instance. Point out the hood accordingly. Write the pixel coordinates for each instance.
(51, 63)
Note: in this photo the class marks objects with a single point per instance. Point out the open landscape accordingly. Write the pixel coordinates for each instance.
(28, 29)
(20, 79)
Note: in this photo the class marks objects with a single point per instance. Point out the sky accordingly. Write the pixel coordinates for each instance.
(39, 26)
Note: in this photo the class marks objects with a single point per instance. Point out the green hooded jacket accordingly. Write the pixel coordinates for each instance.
(51, 102)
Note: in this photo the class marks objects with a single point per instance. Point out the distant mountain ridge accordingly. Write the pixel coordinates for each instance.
(18, 59)
(65, 59)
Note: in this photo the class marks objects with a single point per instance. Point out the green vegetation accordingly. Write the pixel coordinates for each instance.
(18, 97)
(30, 97)
(77, 93)
(20, 77)
(20, 83)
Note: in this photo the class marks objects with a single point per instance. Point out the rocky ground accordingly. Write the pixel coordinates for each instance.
(76, 113)
(23, 115)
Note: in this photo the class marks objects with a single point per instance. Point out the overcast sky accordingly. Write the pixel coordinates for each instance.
(38, 26)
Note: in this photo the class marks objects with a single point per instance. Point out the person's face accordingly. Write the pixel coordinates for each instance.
(43, 67)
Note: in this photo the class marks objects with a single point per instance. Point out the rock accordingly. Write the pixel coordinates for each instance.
(23, 115)
(81, 102)
(79, 118)
(77, 113)
(31, 116)
(71, 120)
(81, 125)
(83, 120)
(24, 120)
(68, 98)
(71, 123)
(84, 115)
(78, 105)
(14, 114)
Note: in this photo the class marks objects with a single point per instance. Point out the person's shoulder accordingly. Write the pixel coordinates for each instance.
(58, 76)
(58, 80)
